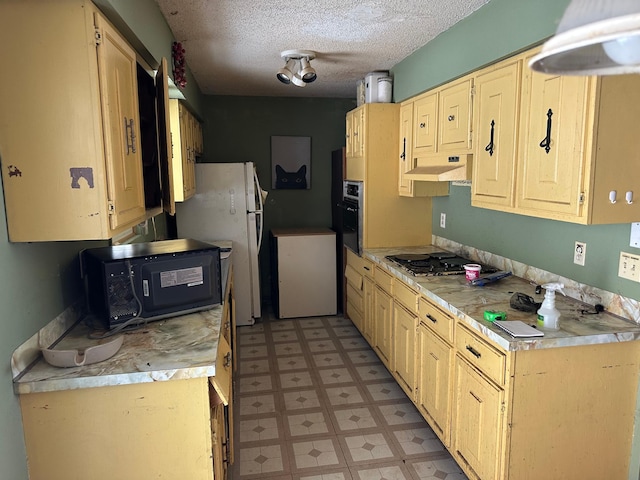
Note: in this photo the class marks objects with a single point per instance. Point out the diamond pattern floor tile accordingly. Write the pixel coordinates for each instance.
(314, 402)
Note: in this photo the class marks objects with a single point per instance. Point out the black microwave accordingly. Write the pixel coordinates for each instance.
(150, 281)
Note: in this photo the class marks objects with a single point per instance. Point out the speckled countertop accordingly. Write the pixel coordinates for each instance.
(468, 303)
(181, 347)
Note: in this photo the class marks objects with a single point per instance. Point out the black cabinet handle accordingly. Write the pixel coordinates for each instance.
(489, 148)
(473, 351)
(432, 319)
(404, 149)
(546, 141)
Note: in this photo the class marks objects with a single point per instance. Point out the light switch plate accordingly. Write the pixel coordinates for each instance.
(579, 253)
(629, 266)
(634, 241)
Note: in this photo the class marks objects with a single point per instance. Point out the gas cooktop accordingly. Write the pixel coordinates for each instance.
(434, 264)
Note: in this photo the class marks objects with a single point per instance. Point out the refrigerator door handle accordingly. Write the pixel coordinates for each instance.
(260, 211)
(260, 222)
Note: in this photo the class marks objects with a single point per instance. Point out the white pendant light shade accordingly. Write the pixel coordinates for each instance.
(594, 37)
(285, 74)
(304, 74)
(307, 72)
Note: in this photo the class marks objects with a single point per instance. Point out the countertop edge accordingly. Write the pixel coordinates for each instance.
(501, 339)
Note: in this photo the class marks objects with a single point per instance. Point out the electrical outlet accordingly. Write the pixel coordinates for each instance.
(629, 266)
(443, 220)
(579, 253)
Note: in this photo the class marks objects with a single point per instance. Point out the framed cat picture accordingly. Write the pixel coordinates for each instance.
(290, 163)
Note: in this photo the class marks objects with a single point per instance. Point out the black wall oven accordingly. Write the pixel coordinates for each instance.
(352, 215)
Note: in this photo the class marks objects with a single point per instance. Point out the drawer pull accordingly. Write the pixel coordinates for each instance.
(367, 268)
(227, 360)
(473, 351)
(434, 320)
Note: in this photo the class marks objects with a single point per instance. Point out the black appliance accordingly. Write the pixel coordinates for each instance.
(434, 264)
(149, 281)
(352, 223)
(338, 171)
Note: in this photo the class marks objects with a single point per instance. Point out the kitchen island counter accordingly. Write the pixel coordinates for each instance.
(468, 303)
(176, 348)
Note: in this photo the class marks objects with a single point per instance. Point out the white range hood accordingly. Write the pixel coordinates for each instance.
(441, 168)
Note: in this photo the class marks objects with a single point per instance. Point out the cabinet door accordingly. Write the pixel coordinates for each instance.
(434, 381)
(405, 187)
(495, 124)
(454, 112)
(355, 144)
(552, 154)
(477, 422)
(164, 138)
(369, 311)
(425, 110)
(119, 92)
(349, 134)
(382, 325)
(405, 325)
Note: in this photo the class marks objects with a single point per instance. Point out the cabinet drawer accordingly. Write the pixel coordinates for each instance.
(354, 312)
(384, 280)
(437, 320)
(354, 296)
(405, 295)
(360, 264)
(480, 354)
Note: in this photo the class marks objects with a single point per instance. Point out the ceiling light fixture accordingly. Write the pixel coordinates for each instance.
(302, 75)
(594, 37)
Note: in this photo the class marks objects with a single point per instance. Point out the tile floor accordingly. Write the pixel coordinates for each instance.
(314, 402)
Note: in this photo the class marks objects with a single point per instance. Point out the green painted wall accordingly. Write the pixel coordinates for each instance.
(239, 129)
(493, 32)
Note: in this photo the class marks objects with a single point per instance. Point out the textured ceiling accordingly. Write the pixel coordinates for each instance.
(233, 46)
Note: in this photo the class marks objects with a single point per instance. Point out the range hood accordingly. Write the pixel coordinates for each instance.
(440, 168)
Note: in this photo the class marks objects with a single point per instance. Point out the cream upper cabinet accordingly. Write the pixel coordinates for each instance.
(388, 219)
(186, 133)
(575, 145)
(355, 143)
(495, 127)
(435, 147)
(418, 137)
(71, 150)
(405, 186)
(454, 116)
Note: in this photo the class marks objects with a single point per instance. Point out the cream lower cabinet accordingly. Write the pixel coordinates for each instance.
(550, 413)
(479, 405)
(405, 335)
(359, 290)
(405, 329)
(435, 368)
(146, 430)
(382, 319)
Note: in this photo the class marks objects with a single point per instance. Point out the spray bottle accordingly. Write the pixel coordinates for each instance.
(548, 314)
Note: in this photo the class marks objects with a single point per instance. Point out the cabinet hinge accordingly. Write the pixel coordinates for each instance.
(98, 36)
(111, 207)
(581, 198)
(502, 407)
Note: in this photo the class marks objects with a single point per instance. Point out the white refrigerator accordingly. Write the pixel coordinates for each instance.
(228, 205)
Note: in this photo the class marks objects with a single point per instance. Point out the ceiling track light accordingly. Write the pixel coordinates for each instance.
(302, 75)
(594, 37)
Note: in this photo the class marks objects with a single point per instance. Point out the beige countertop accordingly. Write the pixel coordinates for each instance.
(468, 303)
(177, 348)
